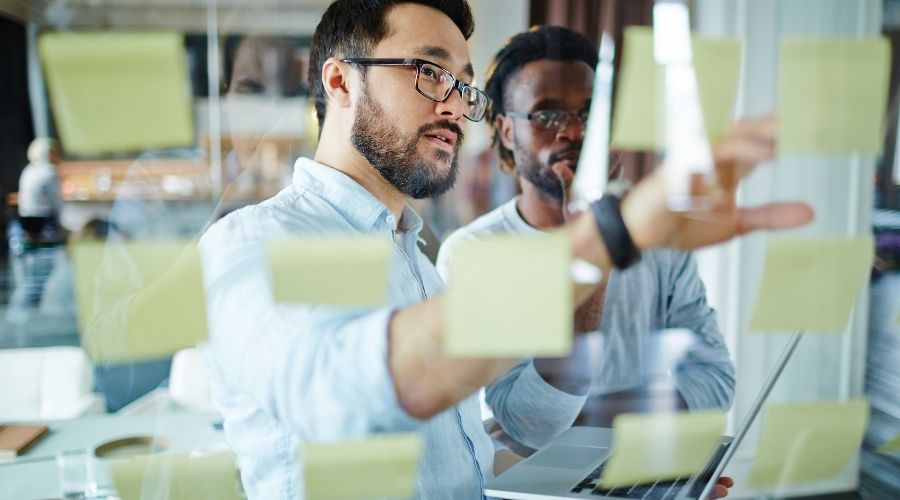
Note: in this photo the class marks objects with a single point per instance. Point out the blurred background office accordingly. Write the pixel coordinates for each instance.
(219, 111)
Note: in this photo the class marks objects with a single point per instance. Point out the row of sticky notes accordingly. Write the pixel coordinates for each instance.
(146, 300)
(380, 466)
(153, 303)
(832, 92)
(800, 443)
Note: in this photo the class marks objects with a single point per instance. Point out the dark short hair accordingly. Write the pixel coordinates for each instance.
(551, 43)
(352, 28)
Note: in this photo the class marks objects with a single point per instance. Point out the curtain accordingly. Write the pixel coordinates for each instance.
(16, 130)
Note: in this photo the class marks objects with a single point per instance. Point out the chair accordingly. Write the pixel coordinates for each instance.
(188, 388)
(47, 383)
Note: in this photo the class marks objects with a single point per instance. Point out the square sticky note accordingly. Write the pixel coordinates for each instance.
(811, 284)
(649, 447)
(381, 466)
(510, 296)
(138, 300)
(807, 441)
(637, 115)
(176, 477)
(338, 270)
(118, 91)
(832, 95)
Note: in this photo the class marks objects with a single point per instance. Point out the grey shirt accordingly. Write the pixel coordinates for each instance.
(663, 291)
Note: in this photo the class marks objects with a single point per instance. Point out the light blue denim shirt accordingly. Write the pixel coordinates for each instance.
(285, 374)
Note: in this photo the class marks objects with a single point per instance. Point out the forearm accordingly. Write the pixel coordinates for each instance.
(426, 380)
(531, 411)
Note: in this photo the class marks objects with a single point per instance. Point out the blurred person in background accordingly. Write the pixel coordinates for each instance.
(40, 201)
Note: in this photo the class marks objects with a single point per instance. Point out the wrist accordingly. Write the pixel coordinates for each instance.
(612, 228)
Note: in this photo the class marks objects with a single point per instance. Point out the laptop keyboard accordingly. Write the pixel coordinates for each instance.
(658, 490)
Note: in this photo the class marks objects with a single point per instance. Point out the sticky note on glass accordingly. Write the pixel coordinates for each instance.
(381, 466)
(336, 270)
(138, 300)
(637, 115)
(176, 477)
(510, 296)
(891, 446)
(811, 284)
(118, 91)
(833, 95)
(807, 441)
(649, 447)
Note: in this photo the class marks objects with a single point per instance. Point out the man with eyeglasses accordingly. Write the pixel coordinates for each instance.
(392, 82)
(540, 85)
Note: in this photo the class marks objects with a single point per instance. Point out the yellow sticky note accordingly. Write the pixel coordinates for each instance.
(637, 116)
(648, 447)
(138, 300)
(176, 477)
(833, 94)
(510, 296)
(807, 441)
(118, 91)
(343, 270)
(811, 284)
(891, 446)
(382, 466)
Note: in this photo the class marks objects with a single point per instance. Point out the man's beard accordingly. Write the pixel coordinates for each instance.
(541, 175)
(397, 157)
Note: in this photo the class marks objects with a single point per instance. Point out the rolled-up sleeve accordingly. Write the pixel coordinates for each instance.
(705, 376)
(528, 408)
(323, 371)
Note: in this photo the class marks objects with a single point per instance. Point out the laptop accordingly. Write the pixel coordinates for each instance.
(570, 465)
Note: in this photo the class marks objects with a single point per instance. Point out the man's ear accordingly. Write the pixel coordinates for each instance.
(335, 79)
(503, 125)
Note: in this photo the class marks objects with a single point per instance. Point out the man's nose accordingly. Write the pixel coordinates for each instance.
(452, 108)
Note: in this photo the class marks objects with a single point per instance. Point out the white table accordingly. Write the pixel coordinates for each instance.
(33, 475)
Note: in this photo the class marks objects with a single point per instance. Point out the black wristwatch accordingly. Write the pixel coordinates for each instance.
(621, 248)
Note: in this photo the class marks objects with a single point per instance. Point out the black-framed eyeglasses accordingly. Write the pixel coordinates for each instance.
(435, 83)
(551, 119)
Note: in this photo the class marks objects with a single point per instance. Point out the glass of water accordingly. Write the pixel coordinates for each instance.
(77, 473)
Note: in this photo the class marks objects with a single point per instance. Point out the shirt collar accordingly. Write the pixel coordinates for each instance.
(514, 218)
(351, 200)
